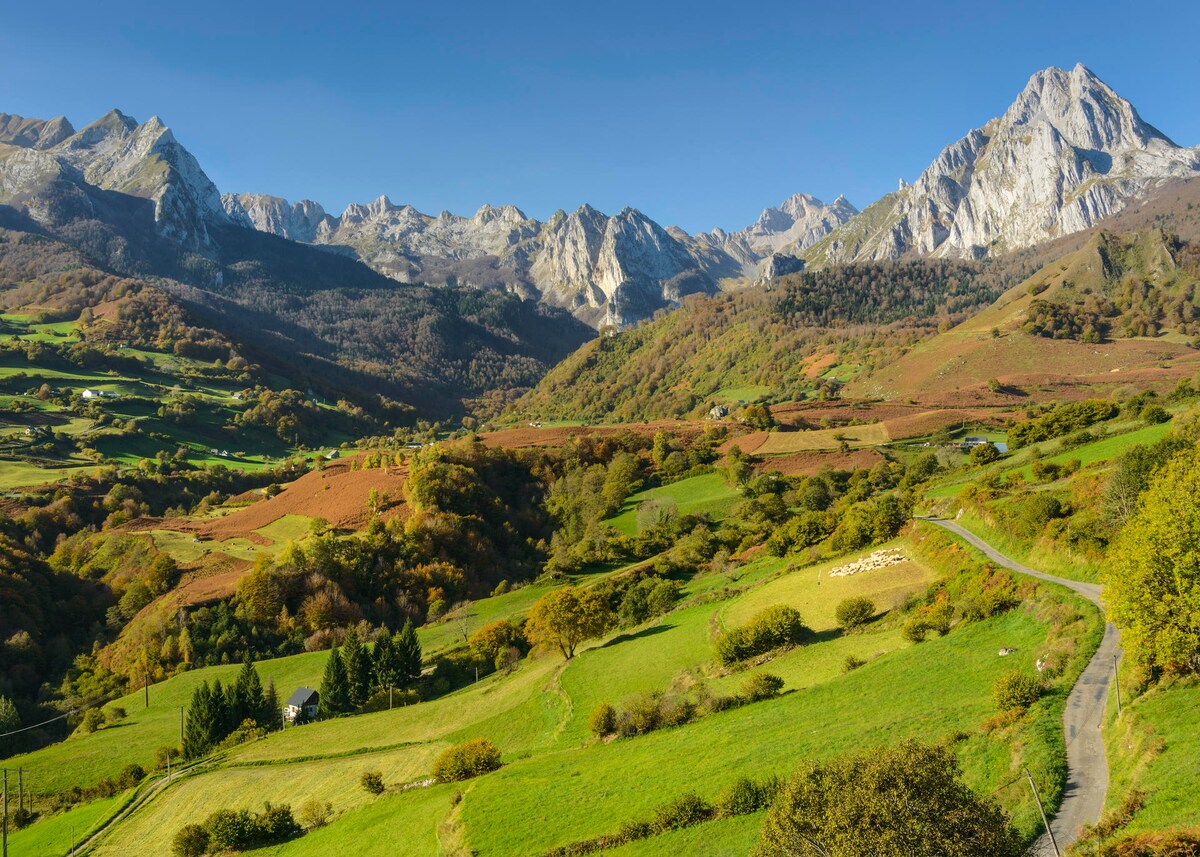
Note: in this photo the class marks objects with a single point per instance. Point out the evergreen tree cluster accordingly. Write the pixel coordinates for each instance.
(217, 711)
(353, 673)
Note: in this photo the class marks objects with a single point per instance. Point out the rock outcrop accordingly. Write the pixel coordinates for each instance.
(1066, 154)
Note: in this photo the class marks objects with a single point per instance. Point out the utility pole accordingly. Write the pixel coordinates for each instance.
(389, 699)
(4, 834)
(1038, 798)
(147, 676)
(1117, 682)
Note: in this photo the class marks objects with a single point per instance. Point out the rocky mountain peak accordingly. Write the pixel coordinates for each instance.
(1068, 152)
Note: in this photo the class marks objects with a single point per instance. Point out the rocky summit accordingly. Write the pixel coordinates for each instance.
(1067, 153)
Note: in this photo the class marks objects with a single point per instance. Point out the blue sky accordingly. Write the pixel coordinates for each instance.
(700, 114)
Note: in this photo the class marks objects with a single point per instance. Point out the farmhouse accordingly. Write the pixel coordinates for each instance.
(974, 440)
(98, 394)
(301, 705)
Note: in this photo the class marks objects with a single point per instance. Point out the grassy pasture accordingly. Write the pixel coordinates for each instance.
(1154, 745)
(921, 692)
(704, 494)
(748, 393)
(52, 836)
(149, 831)
(779, 443)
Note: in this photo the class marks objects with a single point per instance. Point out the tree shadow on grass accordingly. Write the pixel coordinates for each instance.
(645, 632)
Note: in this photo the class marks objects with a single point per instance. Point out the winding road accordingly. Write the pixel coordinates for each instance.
(1087, 766)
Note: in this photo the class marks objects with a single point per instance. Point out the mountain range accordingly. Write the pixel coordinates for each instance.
(1067, 153)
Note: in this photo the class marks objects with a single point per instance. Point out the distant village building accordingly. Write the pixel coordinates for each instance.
(301, 705)
(333, 455)
(718, 412)
(973, 440)
(99, 394)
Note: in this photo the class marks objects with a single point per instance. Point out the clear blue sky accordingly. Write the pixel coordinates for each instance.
(700, 114)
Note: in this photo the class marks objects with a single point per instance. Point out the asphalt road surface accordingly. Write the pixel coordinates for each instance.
(1087, 766)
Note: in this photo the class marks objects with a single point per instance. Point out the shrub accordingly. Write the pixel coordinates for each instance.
(372, 782)
(274, 824)
(229, 829)
(854, 612)
(852, 663)
(130, 776)
(761, 686)
(603, 720)
(315, 813)
(1016, 691)
(915, 629)
(190, 841)
(684, 811)
(771, 628)
(744, 796)
(466, 760)
(1154, 414)
(852, 800)
(985, 453)
(93, 719)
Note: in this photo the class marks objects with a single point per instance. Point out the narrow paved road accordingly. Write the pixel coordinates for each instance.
(1087, 766)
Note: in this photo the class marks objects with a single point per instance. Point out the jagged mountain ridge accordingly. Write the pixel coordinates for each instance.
(606, 269)
(114, 153)
(1067, 153)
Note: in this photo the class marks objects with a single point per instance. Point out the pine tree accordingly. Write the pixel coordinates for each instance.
(335, 690)
(408, 654)
(387, 667)
(268, 715)
(198, 731)
(358, 668)
(220, 704)
(247, 695)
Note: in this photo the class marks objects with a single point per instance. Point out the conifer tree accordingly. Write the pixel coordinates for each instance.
(387, 667)
(268, 715)
(358, 668)
(408, 653)
(220, 703)
(198, 731)
(247, 695)
(335, 690)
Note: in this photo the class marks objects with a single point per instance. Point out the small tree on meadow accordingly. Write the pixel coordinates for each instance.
(566, 617)
(849, 806)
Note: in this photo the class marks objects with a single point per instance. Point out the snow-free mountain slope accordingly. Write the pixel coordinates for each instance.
(1066, 154)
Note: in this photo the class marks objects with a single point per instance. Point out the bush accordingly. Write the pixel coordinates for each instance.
(603, 720)
(853, 800)
(771, 628)
(190, 841)
(684, 811)
(372, 782)
(130, 776)
(744, 796)
(315, 813)
(854, 612)
(985, 453)
(761, 686)
(915, 629)
(93, 719)
(274, 824)
(466, 760)
(1154, 414)
(852, 663)
(1016, 691)
(229, 829)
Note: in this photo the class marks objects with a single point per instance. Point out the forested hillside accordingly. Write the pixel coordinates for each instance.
(803, 336)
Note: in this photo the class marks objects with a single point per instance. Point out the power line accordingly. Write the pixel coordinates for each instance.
(84, 707)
